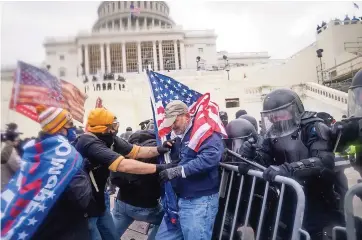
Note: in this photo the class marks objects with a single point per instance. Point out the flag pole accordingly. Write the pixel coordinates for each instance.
(166, 155)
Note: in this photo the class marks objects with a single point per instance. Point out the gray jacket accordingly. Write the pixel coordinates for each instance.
(10, 163)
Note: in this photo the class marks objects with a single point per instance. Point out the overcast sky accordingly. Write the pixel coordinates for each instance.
(281, 28)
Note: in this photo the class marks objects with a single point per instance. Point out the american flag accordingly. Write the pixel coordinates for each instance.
(135, 10)
(204, 112)
(34, 86)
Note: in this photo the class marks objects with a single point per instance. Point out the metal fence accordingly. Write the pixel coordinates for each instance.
(230, 176)
(350, 229)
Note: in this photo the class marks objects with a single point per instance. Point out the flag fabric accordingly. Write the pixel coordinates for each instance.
(34, 86)
(99, 103)
(355, 5)
(204, 112)
(46, 169)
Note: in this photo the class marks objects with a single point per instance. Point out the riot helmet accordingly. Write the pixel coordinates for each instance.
(354, 106)
(224, 117)
(238, 131)
(251, 119)
(327, 118)
(281, 115)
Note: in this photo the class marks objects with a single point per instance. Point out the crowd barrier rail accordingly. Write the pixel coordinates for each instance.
(297, 230)
(350, 228)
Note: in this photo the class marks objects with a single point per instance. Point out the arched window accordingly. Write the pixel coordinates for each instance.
(104, 86)
(62, 72)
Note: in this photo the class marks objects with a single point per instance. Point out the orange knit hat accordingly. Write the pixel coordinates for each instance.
(99, 119)
(52, 119)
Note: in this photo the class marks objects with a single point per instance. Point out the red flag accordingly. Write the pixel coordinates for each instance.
(99, 103)
(34, 86)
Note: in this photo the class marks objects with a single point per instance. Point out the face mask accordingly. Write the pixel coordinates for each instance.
(71, 134)
(108, 138)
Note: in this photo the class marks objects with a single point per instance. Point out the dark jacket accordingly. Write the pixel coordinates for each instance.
(139, 190)
(67, 220)
(201, 168)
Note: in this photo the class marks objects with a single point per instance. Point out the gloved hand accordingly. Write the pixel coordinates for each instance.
(244, 168)
(271, 172)
(248, 149)
(171, 173)
(161, 167)
(166, 146)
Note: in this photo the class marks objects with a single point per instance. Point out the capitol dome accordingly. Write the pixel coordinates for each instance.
(146, 14)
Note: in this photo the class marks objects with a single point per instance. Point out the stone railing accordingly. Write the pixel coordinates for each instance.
(310, 89)
(328, 95)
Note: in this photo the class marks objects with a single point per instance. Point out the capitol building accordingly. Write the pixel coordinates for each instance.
(109, 61)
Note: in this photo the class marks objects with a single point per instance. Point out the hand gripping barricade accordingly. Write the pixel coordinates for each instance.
(351, 228)
(252, 208)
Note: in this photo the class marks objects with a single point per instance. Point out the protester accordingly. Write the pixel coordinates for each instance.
(139, 196)
(95, 146)
(10, 157)
(127, 134)
(196, 178)
(224, 118)
(56, 190)
(240, 113)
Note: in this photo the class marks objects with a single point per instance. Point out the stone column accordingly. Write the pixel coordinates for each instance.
(137, 24)
(176, 55)
(139, 57)
(161, 54)
(80, 61)
(108, 57)
(129, 22)
(182, 55)
(155, 65)
(124, 66)
(153, 22)
(103, 70)
(86, 60)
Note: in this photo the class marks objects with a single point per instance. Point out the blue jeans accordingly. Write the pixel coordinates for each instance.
(124, 215)
(197, 217)
(102, 228)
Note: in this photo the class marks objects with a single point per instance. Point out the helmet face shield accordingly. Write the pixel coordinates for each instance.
(355, 102)
(281, 121)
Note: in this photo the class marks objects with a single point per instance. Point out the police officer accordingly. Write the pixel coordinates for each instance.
(348, 132)
(297, 144)
(251, 119)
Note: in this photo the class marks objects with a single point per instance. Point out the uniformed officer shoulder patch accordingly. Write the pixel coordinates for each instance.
(322, 130)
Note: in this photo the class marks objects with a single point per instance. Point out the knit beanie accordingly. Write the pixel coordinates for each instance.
(52, 119)
(99, 119)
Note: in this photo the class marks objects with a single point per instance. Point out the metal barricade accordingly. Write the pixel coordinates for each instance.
(229, 172)
(350, 228)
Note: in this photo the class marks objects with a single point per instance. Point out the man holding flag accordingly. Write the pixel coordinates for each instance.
(195, 179)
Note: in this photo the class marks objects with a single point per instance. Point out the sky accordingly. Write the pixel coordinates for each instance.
(281, 28)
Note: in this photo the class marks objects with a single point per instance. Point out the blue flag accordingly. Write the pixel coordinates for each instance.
(46, 169)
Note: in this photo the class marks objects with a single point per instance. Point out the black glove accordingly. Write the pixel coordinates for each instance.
(161, 167)
(271, 172)
(166, 146)
(170, 173)
(248, 149)
(244, 168)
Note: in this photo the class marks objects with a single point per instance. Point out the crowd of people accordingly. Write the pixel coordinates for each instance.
(288, 141)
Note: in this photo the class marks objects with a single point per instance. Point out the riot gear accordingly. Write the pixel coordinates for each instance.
(239, 131)
(281, 115)
(251, 119)
(355, 96)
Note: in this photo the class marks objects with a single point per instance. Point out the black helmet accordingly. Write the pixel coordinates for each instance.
(281, 115)
(251, 119)
(239, 131)
(326, 117)
(354, 106)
